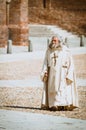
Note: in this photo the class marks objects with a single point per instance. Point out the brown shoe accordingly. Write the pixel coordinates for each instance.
(44, 107)
(61, 108)
(68, 108)
(54, 108)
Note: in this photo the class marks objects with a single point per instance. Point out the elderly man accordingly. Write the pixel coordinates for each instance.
(58, 76)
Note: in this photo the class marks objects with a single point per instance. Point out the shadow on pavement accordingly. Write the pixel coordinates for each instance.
(21, 107)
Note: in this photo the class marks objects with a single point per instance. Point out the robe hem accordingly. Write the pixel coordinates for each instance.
(59, 108)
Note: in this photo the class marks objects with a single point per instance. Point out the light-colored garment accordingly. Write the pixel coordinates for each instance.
(62, 89)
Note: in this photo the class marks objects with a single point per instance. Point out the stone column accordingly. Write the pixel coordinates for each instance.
(19, 22)
(3, 26)
(48, 4)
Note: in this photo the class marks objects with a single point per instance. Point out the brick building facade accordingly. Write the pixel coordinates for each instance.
(15, 16)
(18, 22)
(55, 4)
(67, 14)
(3, 26)
(14, 22)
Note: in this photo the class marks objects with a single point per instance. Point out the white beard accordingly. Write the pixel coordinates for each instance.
(54, 46)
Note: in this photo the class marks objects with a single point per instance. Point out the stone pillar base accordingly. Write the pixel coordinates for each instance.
(3, 35)
(19, 35)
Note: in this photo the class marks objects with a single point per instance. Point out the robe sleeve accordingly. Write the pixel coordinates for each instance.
(45, 66)
(70, 72)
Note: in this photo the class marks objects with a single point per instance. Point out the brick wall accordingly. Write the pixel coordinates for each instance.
(70, 4)
(3, 26)
(35, 3)
(19, 22)
(70, 15)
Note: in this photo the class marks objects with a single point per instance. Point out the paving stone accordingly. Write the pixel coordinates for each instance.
(12, 120)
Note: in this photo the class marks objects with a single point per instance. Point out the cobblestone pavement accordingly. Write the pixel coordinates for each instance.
(28, 99)
(25, 101)
(23, 70)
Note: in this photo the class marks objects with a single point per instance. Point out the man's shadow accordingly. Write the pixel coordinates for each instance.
(33, 108)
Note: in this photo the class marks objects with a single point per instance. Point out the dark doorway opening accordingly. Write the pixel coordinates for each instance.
(44, 3)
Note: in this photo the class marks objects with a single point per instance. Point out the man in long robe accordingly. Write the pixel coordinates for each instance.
(58, 76)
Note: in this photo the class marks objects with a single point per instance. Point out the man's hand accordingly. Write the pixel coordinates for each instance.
(68, 81)
(46, 74)
(45, 77)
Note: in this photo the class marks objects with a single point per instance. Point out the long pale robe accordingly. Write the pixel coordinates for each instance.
(62, 89)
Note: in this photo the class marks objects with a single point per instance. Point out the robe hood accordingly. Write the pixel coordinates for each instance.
(53, 46)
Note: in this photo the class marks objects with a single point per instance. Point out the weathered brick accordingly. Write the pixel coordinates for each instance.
(70, 15)
(19, 22)
(3, 26)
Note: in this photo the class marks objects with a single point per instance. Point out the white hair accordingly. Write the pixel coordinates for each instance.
(59, 39)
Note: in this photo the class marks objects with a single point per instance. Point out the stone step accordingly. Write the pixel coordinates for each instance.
(33, 81)
(47, 30)
(40, 31)
(37, 34)
(51, 30)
